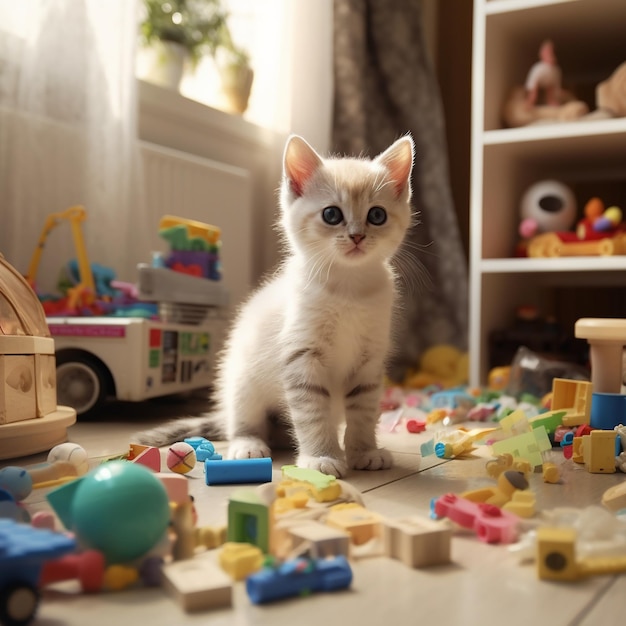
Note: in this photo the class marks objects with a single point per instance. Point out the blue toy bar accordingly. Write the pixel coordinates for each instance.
(238, 471)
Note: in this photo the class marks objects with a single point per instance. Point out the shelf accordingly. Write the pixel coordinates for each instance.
(589, 156)
(493, 7)
(570, 131)
(569, 264)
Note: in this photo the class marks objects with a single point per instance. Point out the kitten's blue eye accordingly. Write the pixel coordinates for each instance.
(332, 215)
(377, 216)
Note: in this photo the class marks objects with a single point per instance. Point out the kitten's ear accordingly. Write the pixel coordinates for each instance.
(299, 163)
(398, 159)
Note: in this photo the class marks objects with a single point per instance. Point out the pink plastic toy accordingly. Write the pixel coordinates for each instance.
(491, 524)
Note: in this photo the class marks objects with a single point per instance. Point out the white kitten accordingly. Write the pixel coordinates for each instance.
(311, 343)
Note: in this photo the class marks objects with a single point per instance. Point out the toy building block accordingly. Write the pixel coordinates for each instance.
(176, 486)
(145, 455)
(197, 584)
(459, 441)
(551, 473)
(182, 523)
(319, 540)
(551, 420)
(362, 525)
(528, 445)
(557, 559)
(608, 410)
(505, 461)
(239, 560)
(606, 338)
(238, 471)
(210, 536)
(417, 542)
(599, 451)
(573, 396)
(322, 487)
(491, 524)
(614, 498)
(248, 519)
(88, 568)
(118, 577)
(522, 504)
(509, 482)
(298, 577)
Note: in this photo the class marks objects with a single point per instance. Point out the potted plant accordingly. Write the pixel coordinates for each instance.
(233, 65)
(179, 31)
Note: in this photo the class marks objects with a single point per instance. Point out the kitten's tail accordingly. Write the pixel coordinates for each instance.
(208, 426)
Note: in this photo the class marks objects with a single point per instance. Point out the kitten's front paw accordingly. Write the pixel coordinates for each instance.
(248, 448)
(375, 459)
(324, 464)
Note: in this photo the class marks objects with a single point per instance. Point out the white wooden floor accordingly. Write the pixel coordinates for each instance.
(484, 585)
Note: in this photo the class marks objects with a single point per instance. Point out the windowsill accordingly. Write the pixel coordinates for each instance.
(160, 105)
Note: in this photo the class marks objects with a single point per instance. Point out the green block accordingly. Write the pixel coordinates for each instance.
(313, 477)
(248, 520)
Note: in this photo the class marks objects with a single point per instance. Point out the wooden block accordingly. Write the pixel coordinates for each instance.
(197, 584)
(323, 541)
(418, 542)
(361, 524)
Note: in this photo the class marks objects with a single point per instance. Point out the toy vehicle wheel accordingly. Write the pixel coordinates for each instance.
(18, 604)
(81, 383)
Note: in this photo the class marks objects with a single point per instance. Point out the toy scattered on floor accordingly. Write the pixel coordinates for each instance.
(298, 577)
(442, 365)
(237, 471)
(71, 453)
(490, 523)
(119, 508)
(181, 457)
(24, 550)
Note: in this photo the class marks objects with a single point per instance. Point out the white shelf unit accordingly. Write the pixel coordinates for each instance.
(589, 156)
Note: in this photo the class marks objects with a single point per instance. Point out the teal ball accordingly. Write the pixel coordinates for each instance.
(121, 509)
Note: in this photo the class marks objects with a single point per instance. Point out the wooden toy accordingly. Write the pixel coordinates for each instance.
(417, 542)
(606, 338)
(30, 420)
(197, 584)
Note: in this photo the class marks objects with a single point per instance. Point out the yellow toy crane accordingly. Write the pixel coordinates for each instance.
(75, 215)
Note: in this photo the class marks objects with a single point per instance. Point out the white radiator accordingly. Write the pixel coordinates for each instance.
(196, 188)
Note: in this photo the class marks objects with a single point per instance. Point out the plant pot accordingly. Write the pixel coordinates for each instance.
(163, 63)
(236, 86)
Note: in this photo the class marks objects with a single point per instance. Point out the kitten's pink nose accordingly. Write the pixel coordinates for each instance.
(357, 238)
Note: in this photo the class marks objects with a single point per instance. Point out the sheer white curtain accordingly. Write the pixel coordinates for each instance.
(68, 130)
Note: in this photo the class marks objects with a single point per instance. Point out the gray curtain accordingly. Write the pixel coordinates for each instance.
(385, 87)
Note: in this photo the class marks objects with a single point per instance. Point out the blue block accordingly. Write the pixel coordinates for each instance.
(238, 471)
(608, 410)
(298, 577)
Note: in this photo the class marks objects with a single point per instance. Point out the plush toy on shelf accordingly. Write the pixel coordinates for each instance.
(601, 232)
(544, 76)
(542, 98)
(546, 206)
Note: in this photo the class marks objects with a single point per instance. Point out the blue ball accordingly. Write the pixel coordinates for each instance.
(17, 481)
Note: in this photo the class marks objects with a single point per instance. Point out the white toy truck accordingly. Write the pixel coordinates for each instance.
(136, 359)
